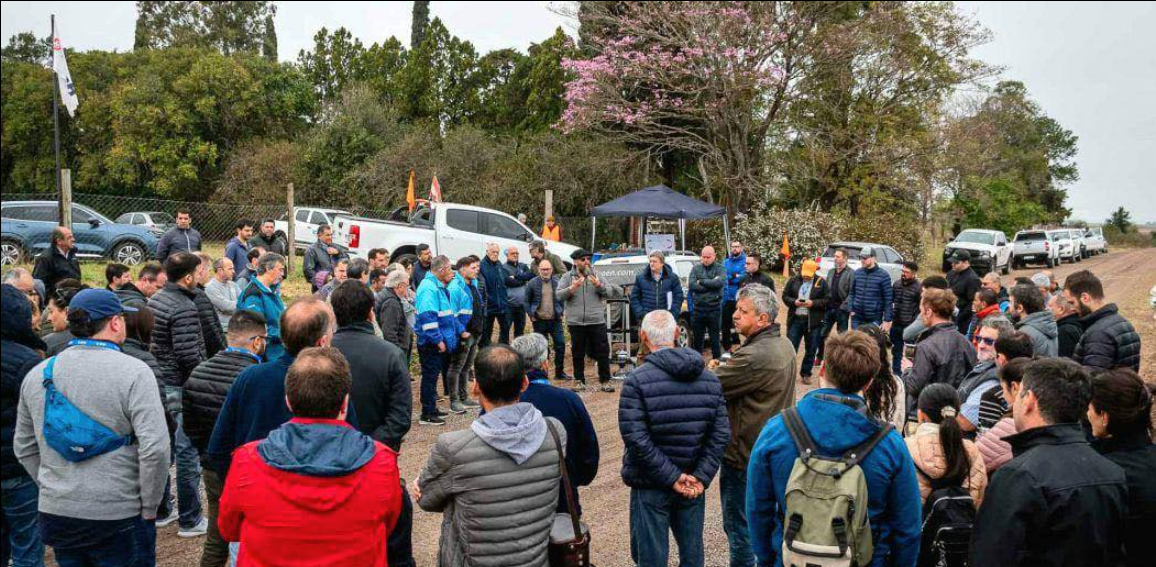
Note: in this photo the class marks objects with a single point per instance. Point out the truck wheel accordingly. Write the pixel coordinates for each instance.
(13, 253)
(412, 259)
(683, 333)
(1050, 263)
(128, 253)
(1006, 267)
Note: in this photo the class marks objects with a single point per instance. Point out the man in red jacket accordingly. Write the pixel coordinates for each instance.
(316, 491)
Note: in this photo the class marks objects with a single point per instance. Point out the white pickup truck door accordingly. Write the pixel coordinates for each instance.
(458, 233)
(507, 232)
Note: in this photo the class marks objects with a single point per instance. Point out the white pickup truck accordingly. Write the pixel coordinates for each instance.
(306, 222)
(449, 229)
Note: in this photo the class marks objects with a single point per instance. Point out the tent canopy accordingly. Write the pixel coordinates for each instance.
(661, 202)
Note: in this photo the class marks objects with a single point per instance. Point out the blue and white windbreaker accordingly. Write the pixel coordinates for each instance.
(436, 319)
(462, 300)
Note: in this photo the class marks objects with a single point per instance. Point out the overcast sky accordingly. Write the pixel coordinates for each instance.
(1091, 65)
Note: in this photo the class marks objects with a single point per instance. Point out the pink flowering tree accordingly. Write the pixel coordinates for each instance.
(709, 79)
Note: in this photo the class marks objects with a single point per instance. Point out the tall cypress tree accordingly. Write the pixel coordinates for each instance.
(269, 40)
(420, 23)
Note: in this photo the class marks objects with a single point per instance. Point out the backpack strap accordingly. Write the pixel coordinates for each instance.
(803, 442)
(858, 453)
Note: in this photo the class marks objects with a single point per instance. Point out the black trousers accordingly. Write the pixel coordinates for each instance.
(503, 328)
(590, 340)
(703, 325)
(729, 336)
(516, 320)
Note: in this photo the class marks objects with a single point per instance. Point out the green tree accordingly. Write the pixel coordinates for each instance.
(999, 205)
(333, 62)
(1121, 219)
(28, 48)
(229, 27)
(420, 23)
(546, 83)
(269, 40)
(502, 79)
(380, 67)
(439, 80)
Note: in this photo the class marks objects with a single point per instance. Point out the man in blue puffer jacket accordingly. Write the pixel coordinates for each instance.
(871, 294)
(674, 425)
(836, 418)
(19, 345)
(656, 287)
(437, 330)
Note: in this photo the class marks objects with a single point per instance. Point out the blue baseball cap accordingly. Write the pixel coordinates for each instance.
(99, 304)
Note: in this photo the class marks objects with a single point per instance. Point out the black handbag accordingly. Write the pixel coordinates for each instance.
(569, 536)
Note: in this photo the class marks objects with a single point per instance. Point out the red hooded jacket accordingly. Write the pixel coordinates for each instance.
(315, 492)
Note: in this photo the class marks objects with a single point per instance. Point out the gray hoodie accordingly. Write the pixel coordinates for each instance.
(587, 305)
(1041, 327)
(504, 466)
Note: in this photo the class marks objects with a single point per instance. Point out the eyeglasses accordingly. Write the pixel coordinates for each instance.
(987, 341)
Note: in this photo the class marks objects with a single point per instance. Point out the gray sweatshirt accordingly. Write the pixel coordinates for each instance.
(586, 305)
(120, 392)
(224, 298)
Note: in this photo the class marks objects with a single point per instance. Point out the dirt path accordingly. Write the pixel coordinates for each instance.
(1127, 277)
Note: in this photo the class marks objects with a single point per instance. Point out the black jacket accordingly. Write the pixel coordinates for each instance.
(818, 308)
(906, 296)
(131, 296)
(20, 345)
(210, 324)
(706, 285)
(391, 319)
(177, 342)
(964, 285)
(1056, 503)
(1109, 341)
(761, 278)
(51, 267)
(942, 355)
(381, 390)
(1137, 456)
(140, 351)
(1070, 331)
(840, 284)
(205, 393)
(274, 244)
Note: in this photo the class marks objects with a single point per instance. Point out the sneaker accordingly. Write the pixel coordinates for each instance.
(442, 413)
(563, 376)
(580, 387)
(807, 379)
(606, 387)
(457, 408)
(168, 520)
(200, 529)
(470, 404)
(431, 420)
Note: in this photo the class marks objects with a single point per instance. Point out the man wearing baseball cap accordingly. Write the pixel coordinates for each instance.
(98, 502)
(871, 293)
(964, 284)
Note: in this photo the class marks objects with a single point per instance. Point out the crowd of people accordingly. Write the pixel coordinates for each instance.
(955, 420)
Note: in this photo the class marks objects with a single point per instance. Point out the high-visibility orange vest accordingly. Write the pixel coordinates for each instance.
(554, 234)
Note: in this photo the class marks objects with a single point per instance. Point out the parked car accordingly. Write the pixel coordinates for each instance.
(1079, 242)
(1069, 250)
(449, 229)
(885, 256)
(1034, 246)
(989, 250)
(622, 268)
(1095, 242)
(27, 231)
(307, 220)
(158, 220)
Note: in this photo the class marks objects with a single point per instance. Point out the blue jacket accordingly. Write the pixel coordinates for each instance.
(254, 407)
(267, 302)
(582, 454)
(648, 295)
(871, 294)
(17, 341)
(736, 268)
(516, 277)
(495, 276)
(534, 298)
(462, 300)
(894, 504)
(673, 420)
(436, 320)
(239, 254)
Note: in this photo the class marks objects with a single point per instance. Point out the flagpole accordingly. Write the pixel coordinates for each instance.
(56, 126)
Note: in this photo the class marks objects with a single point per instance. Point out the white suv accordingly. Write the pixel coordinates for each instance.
(989, 249)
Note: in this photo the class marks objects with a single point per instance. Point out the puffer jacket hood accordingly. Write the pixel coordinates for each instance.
(16, 319)
(516, 430)
(316, 448)
(683, 364)
(1041, 327)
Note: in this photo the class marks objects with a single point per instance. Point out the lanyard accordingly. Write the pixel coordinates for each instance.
(244, 352)
(94, 343)
(543, 381)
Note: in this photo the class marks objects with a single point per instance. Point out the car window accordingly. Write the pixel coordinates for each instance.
(318, 218)
(1031, 236)
(43, 213)
(975, 237)
(502, 227)
(161, 218)
(461, 219)
(80, 215)
(15, 212)
(898, 258)
(302, 216)
(889, 255)
(852, 251)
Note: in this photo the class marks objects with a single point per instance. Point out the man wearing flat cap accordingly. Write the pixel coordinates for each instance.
(584, 295)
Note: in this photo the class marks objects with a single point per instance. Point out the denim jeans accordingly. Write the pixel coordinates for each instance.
(798, 332)
(461, 363)
(516, 316)
(896, 334)
(733, 491)
(835, 319)
(188, 466)
(702, 324)
(857, 320)
(433, 363)
(656, 513)
(130, 542)
(552, 330)
(21, 534)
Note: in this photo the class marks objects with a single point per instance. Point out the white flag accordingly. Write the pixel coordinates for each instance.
(60, 67)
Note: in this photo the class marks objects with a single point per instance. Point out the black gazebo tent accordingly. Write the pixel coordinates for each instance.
(661, 202)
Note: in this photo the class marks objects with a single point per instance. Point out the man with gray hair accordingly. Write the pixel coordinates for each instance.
(390, 311)
(758, 382)
(983, 375)
(671, 455)
(263, 295)
(582, 454)
(656, 287)
(222, 290)
(1067, 324)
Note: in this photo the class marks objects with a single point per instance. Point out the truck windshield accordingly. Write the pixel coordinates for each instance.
(975, 237)
(1031, 237)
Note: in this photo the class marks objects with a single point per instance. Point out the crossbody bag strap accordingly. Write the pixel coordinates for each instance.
(569, 490)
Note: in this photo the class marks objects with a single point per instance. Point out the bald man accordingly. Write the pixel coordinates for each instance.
(707, 281)
(58, 262)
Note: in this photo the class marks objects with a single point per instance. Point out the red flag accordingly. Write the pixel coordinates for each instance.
(435, 191)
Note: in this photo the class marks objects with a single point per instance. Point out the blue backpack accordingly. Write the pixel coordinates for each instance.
(70, 431)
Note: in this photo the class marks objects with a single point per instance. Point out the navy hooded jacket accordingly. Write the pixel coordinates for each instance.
(17, 341)
(673, 420)
(871, 294)
(494, 275)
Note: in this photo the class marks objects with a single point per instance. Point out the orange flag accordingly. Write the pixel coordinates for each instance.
(409, 196)
(786, 252)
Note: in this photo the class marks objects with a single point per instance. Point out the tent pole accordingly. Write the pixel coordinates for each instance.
(682, 232)
(726, 234)
(593, 232)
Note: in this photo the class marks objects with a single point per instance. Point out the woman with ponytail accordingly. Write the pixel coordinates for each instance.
(938, 448)
(1120, 415)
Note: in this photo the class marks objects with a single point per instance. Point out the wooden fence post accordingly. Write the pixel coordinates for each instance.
(549, 205)
(66, 198)
(291, 248)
